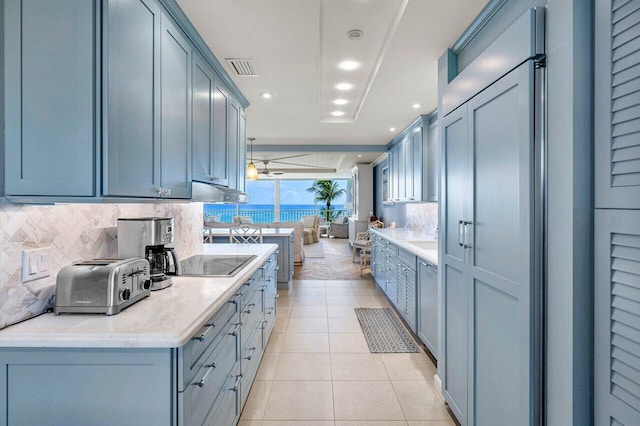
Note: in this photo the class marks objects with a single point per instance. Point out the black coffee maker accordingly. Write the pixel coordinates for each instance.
(148, 237)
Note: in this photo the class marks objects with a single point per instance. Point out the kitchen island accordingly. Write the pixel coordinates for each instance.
(283, 237)
(185, 355)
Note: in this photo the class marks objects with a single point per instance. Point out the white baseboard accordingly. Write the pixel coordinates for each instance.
(437, 383)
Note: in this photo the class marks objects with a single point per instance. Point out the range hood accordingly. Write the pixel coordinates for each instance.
(210, 193)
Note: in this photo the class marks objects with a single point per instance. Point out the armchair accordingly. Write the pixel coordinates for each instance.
(339, 229)
(311, 225)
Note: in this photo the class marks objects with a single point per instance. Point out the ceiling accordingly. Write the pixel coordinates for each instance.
(297, 47)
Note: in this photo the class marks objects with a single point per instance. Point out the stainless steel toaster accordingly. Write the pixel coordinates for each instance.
(101, 286)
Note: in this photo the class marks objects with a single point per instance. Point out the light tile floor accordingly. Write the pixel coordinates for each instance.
(318, 371)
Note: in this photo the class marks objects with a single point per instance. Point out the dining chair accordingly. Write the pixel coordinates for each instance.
(245, 234)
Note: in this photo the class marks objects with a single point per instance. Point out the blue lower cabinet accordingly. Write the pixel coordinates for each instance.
(226, 409)
(204, 382)
(196, 402)
(80, 386)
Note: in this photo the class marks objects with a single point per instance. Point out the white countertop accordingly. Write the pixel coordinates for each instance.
(166, 319)
(266, 232)
(401, 237)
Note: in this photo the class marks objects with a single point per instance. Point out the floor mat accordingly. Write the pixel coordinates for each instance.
(314, 251)
(384, 332)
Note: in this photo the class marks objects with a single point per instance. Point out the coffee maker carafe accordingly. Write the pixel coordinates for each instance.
(147, 237)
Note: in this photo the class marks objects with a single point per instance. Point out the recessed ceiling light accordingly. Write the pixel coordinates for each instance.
(349, 65)
(341, 102)
(344, 86)
(337, 113)
(266, 95)
(416, 106)
(359, 155)
(392, 129)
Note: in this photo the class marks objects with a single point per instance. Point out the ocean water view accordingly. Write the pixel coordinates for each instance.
(265, 213)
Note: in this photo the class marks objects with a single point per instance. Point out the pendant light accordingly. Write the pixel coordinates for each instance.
(252, 170)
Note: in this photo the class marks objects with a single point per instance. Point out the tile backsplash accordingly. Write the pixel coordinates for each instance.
(423, 217)
(75, 232)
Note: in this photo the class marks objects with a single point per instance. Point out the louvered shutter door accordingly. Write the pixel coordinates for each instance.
(617, 103)
(617, 317)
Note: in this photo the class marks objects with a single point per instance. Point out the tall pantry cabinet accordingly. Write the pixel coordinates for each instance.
(617, 214)
(488, 242)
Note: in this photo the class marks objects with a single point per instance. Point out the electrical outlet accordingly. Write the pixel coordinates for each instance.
(35, 264)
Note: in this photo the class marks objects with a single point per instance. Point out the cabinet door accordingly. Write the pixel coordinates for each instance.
(242, 152)
(414, 166)
(202, 120)
(401, 288)
(410, 310)
(501, 250)
(433, 165)
(402, 169)
(617, 317)
(175, 138)
(394, 163)
(452, 364)
(233, 148)
(617, 105)
(132, 77)
(50, 99)
(220, 123)
(428, 305)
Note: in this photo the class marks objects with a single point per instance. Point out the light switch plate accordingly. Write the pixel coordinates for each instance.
(35, 264)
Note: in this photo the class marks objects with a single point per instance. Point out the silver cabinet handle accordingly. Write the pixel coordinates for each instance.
(203, 336)
(252, 350)
(460, 233)
(424, 263)
(167, 191)
(234, 300)
(205, 378)
(249, 282)
(235, 385)
(236, 330)
(269, 311)
(466, 234)
(276, 296)
(248, 311)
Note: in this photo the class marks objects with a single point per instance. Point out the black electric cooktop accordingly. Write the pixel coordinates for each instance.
(215, 265)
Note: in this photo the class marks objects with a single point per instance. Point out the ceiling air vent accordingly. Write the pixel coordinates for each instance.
(242, 67)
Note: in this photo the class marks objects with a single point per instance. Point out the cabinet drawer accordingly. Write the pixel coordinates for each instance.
(251, 317)
(390, 248)
(190, 355)
(407, 258)
(198, 398)
(250, 288)
(391, 290)
(251, 356)
(227, 407)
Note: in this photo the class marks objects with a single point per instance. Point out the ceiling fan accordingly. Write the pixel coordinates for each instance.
(300, 168)
(267, 172)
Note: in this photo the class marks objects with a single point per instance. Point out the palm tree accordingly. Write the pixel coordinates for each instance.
(326, 191)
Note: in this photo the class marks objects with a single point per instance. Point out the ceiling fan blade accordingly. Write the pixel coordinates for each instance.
(280, 158)
(310, 167)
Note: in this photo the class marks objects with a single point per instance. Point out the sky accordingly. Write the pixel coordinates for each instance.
(291, 192)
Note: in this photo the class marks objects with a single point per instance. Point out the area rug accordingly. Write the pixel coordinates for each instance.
(384, 332)
(313, 250)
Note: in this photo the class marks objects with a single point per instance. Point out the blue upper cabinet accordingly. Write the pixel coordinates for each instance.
(175, 135)
(220, 134)
(233, 134)
(132, 101)
(148, 86)
(106, 98)
(50, 154)
(202, 136)
(413, 163)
